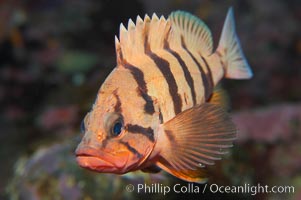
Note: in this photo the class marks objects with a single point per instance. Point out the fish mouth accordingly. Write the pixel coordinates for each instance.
(101, 161)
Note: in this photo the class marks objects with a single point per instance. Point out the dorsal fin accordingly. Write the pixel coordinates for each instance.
(196, 34)
(147, 33)
(152, 33)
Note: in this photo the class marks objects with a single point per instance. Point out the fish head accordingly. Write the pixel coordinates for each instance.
(118, 134)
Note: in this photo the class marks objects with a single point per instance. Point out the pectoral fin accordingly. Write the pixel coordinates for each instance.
(195, 139)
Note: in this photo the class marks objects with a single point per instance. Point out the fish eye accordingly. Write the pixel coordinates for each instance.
(84, 123)
(113, 124)
(82, 126)
(117, 128)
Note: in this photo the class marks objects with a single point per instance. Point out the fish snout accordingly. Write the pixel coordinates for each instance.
(91, 139)
(100, 161)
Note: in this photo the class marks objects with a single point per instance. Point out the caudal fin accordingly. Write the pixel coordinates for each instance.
(231, 52)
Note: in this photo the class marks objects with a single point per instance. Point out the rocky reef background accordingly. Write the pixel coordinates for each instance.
(54, 55)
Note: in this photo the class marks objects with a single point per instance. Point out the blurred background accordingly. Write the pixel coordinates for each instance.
(54, 55)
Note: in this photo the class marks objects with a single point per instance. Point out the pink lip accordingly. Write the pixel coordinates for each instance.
(100, 161)
(95, 164)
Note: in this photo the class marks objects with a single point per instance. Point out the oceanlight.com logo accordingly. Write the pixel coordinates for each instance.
(191, 188)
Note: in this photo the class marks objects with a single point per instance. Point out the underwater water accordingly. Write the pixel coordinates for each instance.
(54, 55)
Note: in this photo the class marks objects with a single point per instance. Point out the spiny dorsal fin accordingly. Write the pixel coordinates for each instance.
(147, 33)
(152, 33)
(196, 34)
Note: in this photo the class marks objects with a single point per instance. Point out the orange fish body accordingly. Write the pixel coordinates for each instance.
(158, 107)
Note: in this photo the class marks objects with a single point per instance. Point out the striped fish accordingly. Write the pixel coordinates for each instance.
(159, 109)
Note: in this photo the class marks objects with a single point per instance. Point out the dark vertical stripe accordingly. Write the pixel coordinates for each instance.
(160, 117)
(204, 77)
(139, 78)
(209, 75)
(131, 149)
(117, 107)
(142, 89)
(187, 74)
(164, 67)
(148, 132)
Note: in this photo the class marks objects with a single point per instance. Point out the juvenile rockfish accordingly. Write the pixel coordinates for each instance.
(159, 109)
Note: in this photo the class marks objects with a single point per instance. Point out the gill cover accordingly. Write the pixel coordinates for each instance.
(119, 135)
